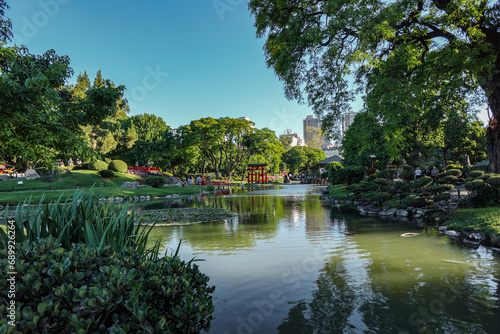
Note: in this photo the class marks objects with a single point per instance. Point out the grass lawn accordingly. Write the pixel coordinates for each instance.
(66, 184)
(486, 220)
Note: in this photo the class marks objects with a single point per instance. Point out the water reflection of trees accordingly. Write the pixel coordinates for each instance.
(373, 287)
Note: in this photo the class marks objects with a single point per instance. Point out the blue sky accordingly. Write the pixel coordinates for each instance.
(181, 60)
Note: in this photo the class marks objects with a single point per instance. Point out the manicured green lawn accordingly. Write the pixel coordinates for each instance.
(486, 220)
(66, 184)
(85, 178)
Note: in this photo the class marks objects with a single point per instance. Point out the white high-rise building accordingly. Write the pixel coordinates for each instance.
(347, 120)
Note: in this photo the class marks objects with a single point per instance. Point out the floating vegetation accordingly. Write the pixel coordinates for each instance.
(184, 216)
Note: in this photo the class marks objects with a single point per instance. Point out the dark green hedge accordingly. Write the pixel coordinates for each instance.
(155, 181)
(106, 173)
(100, 291)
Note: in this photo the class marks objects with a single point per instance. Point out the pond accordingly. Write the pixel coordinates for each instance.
(292, 264)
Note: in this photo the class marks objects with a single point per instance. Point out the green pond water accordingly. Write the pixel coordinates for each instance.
(292, 264)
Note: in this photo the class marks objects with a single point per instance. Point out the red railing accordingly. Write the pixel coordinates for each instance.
(144, 169)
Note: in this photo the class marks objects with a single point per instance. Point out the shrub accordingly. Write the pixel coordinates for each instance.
(441, 197)
(155, 181)
(347, 175)
(454, 172)
(388, 174)
(407, 174)
(422, 182)
(476, 173)
(108, 160)
(210, 187)
(400, 187)
(448, 179)
(87, 290)
(475, 185)
(453, 166)
(118, 166)
(413, 200)
(380, 197)
(439, 188)
(106, 173)
(98, 165)
(494, 181)
(392, 203)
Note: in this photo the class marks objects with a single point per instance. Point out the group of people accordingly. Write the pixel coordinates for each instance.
(426, 172)
(199, 181)
(70, 162)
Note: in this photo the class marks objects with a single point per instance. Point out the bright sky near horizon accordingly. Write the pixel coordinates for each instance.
(181, 60)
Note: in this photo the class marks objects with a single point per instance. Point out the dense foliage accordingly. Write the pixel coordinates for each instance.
(84, 289)
(422, 64)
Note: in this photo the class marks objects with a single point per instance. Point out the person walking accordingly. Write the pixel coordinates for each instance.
(418, 173)
(434, 174)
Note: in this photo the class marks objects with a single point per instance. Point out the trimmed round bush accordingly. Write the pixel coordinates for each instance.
(476, 173)
(100, 291)
(400, 187)
(413, 200)
(98, 165)
(453, 166)
(448, 179)
(441, 197)
(439, 188)
(381, 197)
(155, 181)
(494, 181)
(454, 172)
(119, 166)
(106, 173)
(475, 185)
(422, 182)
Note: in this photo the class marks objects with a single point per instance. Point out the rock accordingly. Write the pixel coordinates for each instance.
(420, 212)
(374, 211)
(118, 200)
(4, 177)
(130, 185)
(402, 213)
(392, 212)
(136, 198)
(442, 228)
(142, 198)
(495, 249)
(148, 198)
(474, 238)
(168, 196)
(417, 215)
(451, 233)
(31, 174)
(384, 213)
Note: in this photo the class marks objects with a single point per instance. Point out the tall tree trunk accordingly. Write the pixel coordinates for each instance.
(492, 89)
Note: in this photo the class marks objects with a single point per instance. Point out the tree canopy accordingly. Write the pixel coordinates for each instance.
(430, 51)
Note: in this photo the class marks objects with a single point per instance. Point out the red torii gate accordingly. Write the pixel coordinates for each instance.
(256, 173)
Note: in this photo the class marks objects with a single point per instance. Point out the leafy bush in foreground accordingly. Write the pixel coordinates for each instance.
(87, 290)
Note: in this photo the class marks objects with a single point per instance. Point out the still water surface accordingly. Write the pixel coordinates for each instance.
(290, 264)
